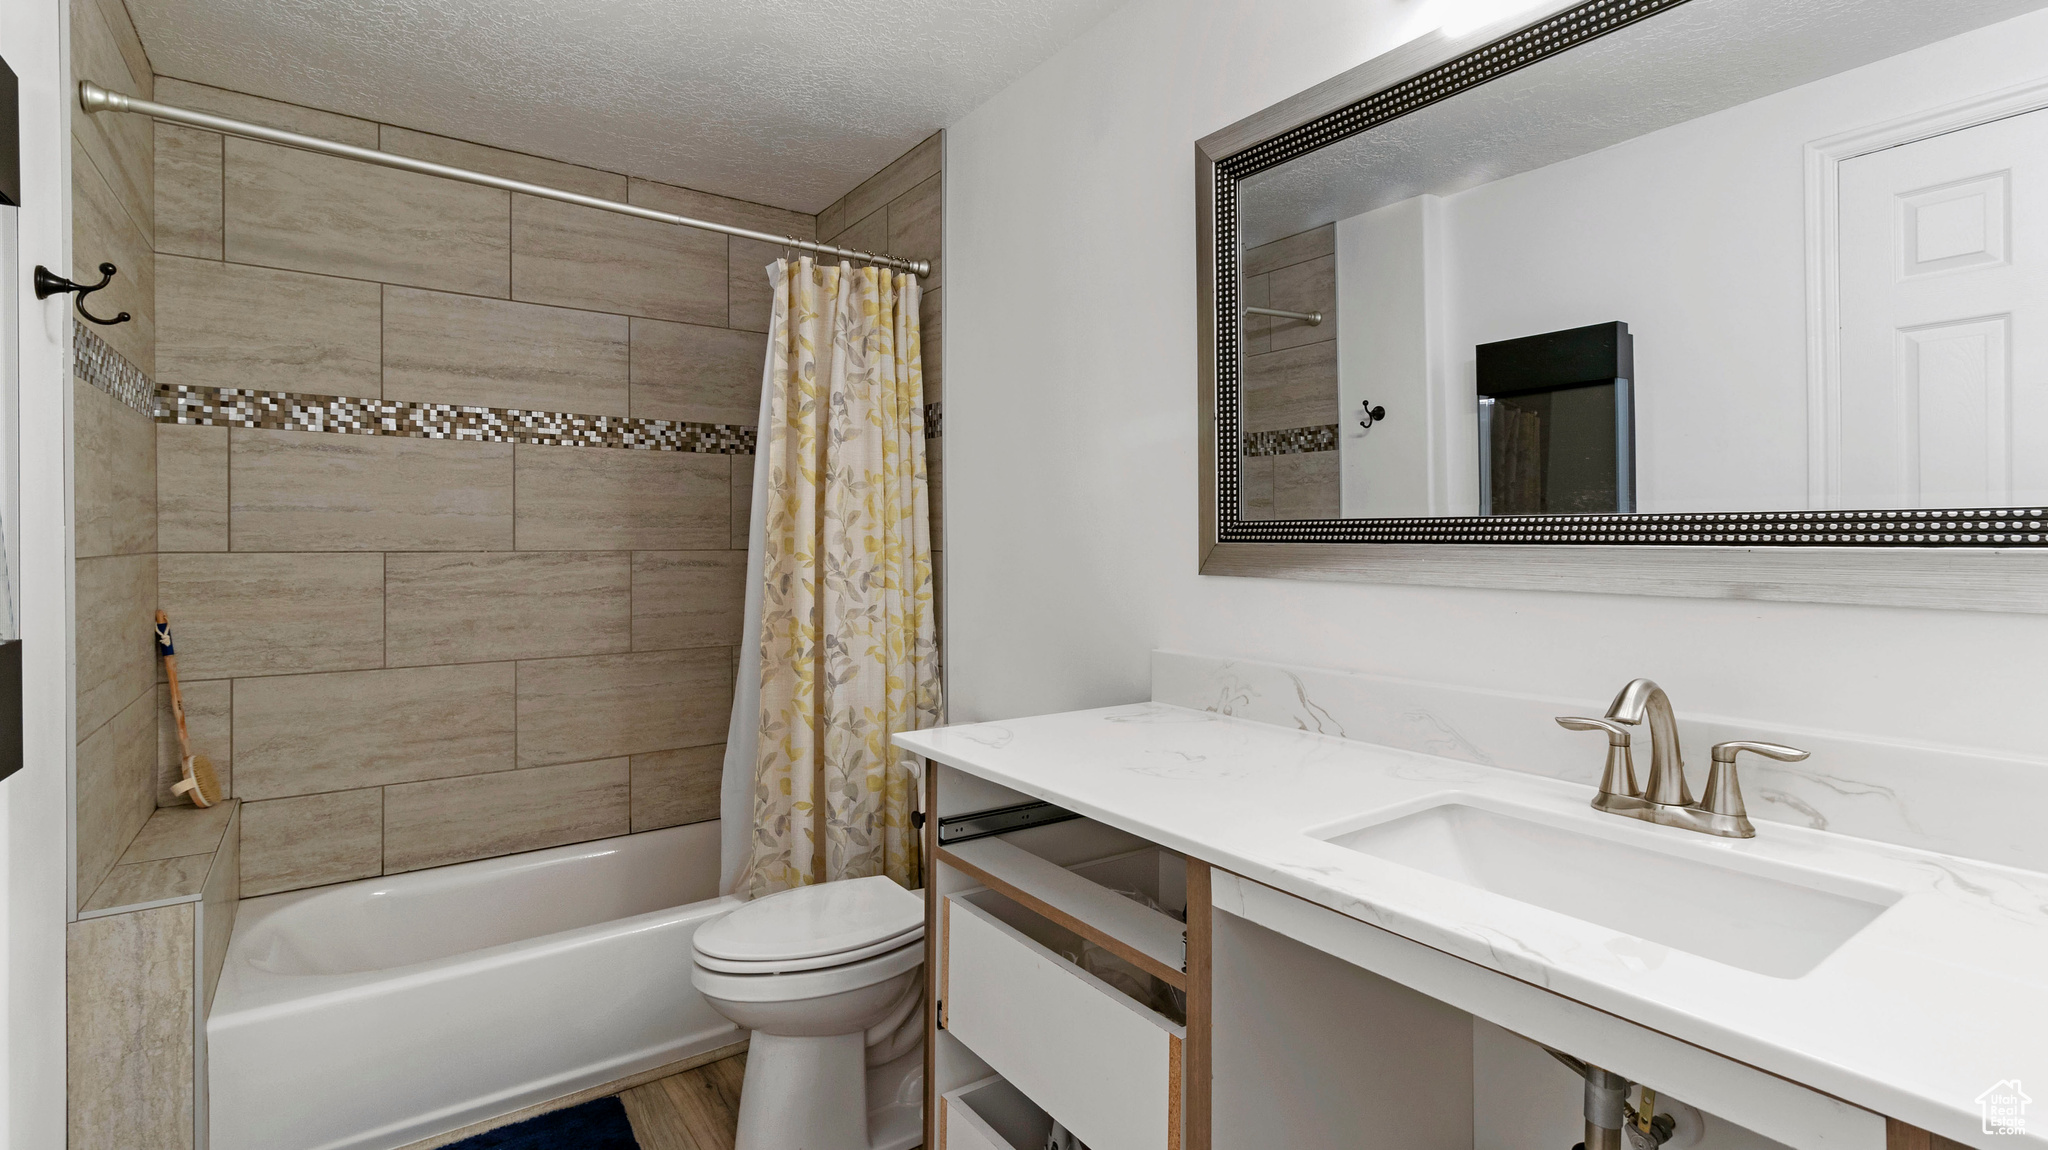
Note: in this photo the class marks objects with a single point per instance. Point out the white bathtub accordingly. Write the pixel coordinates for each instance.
(376, 1013)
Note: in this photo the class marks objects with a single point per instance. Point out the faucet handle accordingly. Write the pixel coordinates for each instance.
(1726, 752)
(1619, 777)
(1724, 792)
(1617, 735)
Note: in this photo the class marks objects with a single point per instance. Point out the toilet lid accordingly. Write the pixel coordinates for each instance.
(812, 922)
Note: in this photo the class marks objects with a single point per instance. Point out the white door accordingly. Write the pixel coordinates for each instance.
(1944, 322)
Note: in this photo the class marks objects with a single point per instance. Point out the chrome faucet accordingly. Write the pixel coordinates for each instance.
(1664, 797)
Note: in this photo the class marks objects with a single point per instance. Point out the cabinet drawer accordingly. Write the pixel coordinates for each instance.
(1106, 1066)
(992, 1115)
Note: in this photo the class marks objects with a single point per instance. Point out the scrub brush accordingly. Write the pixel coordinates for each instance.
(199, 784)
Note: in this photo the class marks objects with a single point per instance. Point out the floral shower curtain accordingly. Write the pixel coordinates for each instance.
(848, 651)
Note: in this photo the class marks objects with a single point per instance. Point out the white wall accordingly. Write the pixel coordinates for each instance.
(34, 803)
(1071, 481)
(1695, 236)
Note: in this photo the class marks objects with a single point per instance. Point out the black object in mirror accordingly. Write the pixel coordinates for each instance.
(1557, 423)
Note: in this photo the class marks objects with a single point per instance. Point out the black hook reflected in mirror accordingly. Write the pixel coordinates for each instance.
(49, 283)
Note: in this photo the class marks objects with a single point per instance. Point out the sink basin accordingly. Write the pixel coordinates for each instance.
(1773, 921)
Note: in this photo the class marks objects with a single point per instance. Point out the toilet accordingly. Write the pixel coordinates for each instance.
(829, 979)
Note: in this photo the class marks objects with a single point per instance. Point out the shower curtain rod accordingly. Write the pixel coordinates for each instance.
(94, 98)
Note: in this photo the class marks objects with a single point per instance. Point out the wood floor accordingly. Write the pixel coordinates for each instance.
(695, 1110)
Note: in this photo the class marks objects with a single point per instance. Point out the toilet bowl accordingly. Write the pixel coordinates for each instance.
(828, 979)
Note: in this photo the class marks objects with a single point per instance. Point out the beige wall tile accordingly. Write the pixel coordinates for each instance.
(499, 162)
(120, 146)
(133, 54)
(467, 350)
(702, 374)
(113, 476)
(302, 734)
(191, 488)
(832, 220)
(742, 500)
(315, 334)
(1257, 331)
(1255, 487)
(721, 210)
(597, 499)
(179, 831)
(115, 603)
(291, 209)
(615, 705)
(915, 228)
(1292, 249)
(870, 233)
(478, 606)
(129, 884)
(311, 840)
(583, 257)
(269, 113)
(688, 599)
(912, 168)
(1306, 485)
(315, 491)
(935, 490)
(129, 1026)
(217, 906)
(750, 298)
(671, 788)
(115, 789)
(188, 168)
(931, 339)
(1309, 286)
(209, 724)
(1292, 388)
(452, 820)
(253, 614)
(102, 231)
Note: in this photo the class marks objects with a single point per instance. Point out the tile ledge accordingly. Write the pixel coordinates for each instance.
(169, 814)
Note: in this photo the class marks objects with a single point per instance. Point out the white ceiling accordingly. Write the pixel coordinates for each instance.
(784, 102)
(1691, 60)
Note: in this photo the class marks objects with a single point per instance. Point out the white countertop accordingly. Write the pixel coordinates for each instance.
(1941, 998)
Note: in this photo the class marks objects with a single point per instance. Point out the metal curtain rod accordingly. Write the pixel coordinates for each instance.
(94, 98)
(1311, 318)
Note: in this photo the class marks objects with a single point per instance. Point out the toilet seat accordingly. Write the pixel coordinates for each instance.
(778, 986)
(812, 928)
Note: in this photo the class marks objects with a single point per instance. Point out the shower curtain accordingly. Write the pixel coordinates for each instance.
(841, 647)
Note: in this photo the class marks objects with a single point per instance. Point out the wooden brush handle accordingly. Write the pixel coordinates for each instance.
(163, 640)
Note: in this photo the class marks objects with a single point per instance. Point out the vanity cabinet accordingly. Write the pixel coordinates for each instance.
(1059, 966)
(1148, 1001)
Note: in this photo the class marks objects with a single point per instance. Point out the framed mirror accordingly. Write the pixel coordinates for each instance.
(1712, 297)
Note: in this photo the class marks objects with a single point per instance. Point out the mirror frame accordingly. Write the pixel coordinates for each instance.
(1984, 559)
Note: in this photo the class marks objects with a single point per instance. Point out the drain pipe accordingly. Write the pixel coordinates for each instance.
(1606, 1102)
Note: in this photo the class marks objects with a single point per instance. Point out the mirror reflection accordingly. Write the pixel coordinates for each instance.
(1745, 255)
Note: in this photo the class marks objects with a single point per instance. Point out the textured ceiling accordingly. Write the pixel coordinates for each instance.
(785, 102)
(1697, 58)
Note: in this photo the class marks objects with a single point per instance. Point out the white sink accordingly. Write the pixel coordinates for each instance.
(1772, 920)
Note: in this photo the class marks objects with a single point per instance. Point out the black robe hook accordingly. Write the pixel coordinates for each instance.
(49, 283)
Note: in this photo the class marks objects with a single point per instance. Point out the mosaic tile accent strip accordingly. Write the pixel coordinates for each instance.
(933, 412)
(1292, 441)
(96, 362)
(342, 415)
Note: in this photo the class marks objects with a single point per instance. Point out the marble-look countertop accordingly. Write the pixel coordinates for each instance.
(1941, 998)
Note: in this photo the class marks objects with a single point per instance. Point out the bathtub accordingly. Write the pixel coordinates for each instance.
(376, 1013)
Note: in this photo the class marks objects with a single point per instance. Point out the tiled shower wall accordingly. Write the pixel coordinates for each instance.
(410, 651)
(113, 452)
(1289, 466)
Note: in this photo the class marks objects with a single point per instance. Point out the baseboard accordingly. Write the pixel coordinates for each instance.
(585, 1095)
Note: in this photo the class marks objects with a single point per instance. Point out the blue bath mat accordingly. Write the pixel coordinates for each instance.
(599, 1125)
